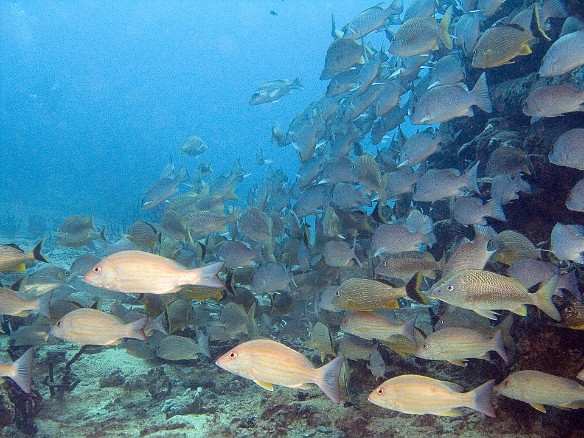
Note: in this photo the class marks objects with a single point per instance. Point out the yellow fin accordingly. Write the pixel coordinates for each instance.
(525, 49)
(452, 413)
(520, 310)
(460, 363)
(20, 268)
(304, 386)
(265, 385)
(538, 406)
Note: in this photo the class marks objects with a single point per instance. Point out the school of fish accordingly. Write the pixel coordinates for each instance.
(354, 249)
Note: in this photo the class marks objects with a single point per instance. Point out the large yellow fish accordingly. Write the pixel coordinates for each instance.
(270, 363)
(92, 327)
(413, 394)
(20, 371)
(142, 272)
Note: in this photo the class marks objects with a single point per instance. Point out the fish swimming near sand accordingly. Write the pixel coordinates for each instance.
(419, 395)
(270, 363)
(92, 327)
(142, 272)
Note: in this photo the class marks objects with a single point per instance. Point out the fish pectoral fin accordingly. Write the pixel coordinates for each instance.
(460, 363)
(487, 313)
(538, 406)
(264, 385)
(20, 268)
(305, 386)
(520, 310)
(451, 413)
(115, 342)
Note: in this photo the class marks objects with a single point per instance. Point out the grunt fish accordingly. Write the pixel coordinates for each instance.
(142, 272)
(539, 389)
(91, 327)
(419, 395)
(270, 363)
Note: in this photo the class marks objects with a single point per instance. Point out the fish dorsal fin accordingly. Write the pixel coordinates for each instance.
(15, 246)
(453, 386)
(515, 26)
(538, 406)
(264, 385)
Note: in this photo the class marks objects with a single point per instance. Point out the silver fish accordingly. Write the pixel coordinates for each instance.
(567, 242)
(568, 149)
(438, 184)
(552, 101)
(564, 55)
(446, 102)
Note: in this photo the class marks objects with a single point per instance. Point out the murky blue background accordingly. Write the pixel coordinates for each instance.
(97, 96)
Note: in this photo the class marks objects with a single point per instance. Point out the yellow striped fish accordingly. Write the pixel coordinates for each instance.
(20, 371)
(142, 272)
(270, 363)
(92, 327)
(420, 395)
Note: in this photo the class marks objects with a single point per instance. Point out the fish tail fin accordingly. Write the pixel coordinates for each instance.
(182, 175)
(207, 275)
(496, 210)
(542, 298)
(471, 176)
(480, 93)
(158, 323)
(23, 370)
(409, 330)
(444, 24)
(413, 289)
(328, 378)
(499, 345)
(137, 329)
(536, 24)
(482, 398)
(36, 252)
(297, 83)
(355, 255)
(43, 304)
(102, 233)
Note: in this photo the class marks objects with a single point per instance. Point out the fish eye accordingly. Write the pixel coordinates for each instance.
(425, 346)
(449, 288)
(506, 383)
(338, 293)
(97, 269)
(384, 264)
(570, 308)
(59, 324)
(380, 391)
(232, 355)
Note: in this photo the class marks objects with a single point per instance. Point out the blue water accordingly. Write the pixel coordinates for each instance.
(97, 96)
